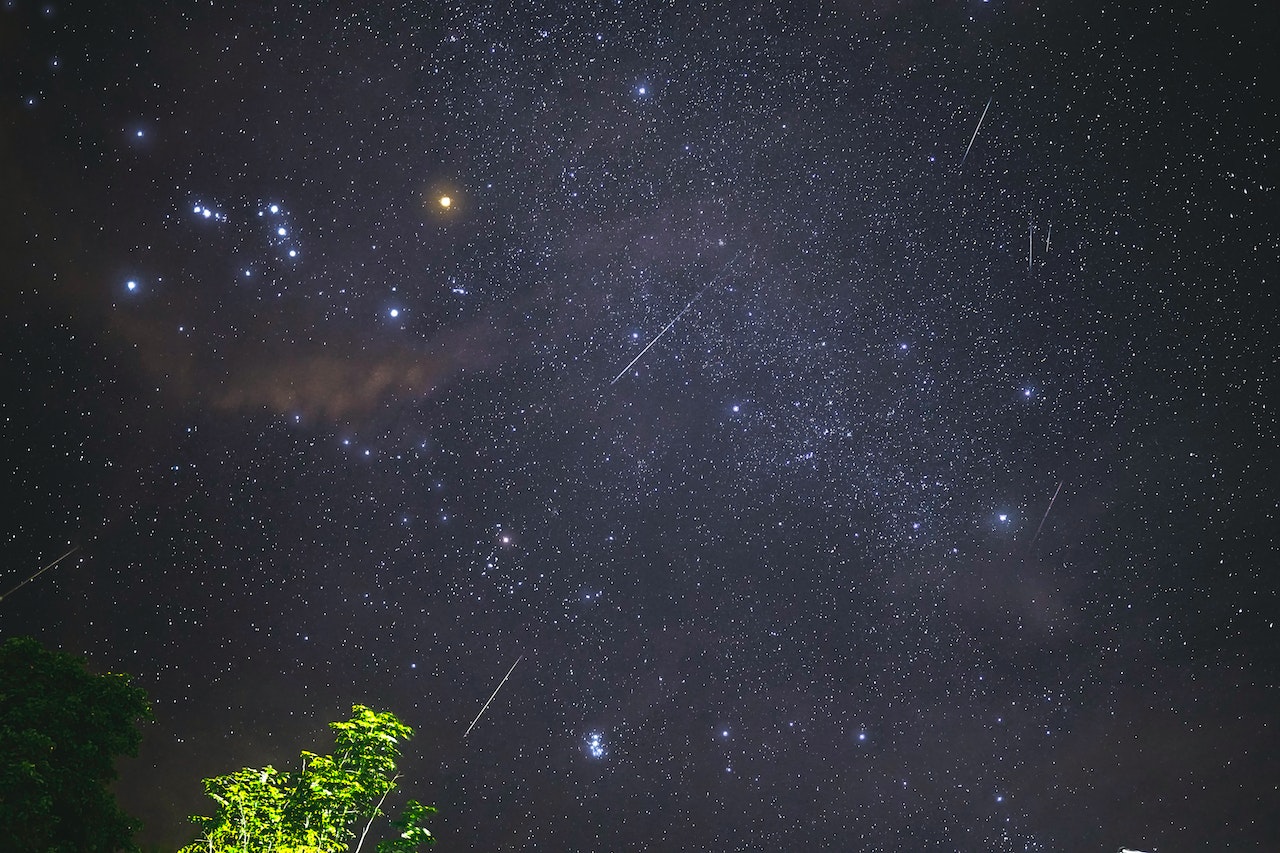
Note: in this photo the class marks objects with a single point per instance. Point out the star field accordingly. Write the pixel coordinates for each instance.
(841, 488)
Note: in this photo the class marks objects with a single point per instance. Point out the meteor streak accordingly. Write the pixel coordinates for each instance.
(39, 573)
(665, 329)
(1046, 515)
(975, 132)
(724, 271)
(491, 695)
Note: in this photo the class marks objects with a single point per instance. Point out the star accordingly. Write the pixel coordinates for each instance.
(499, 212)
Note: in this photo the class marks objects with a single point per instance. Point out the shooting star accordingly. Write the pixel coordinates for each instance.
(666, 329)
(714, 281)
(1045, 516)
(1031, 246)
(1047, 235)
(491, 695)
(975, 132)
(39, 573)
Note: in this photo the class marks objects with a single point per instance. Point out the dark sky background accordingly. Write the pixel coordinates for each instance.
(942, 517)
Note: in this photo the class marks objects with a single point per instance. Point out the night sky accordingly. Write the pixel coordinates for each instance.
(940, 512)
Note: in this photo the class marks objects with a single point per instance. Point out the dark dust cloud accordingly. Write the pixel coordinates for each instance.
(939, 514)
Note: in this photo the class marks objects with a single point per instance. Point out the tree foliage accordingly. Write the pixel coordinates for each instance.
(61, 730)
(319, 808)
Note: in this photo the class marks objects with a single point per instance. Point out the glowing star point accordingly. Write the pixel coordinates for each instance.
(446, 202)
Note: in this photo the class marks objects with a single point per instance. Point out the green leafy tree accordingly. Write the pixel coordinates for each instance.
(319, 808)
(61, 730)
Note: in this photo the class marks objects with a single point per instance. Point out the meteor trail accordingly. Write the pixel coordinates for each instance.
(1045, 516)
(975, 132)
(724, 271)
(39, 573)
(491, 695)
(666, 329)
